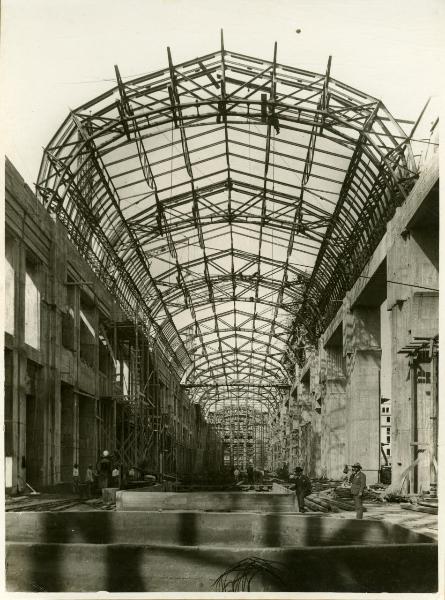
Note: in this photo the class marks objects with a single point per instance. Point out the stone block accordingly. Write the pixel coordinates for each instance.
(210, 501)
(109, 495)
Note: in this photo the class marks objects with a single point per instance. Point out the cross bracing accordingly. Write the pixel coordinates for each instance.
(228, 202)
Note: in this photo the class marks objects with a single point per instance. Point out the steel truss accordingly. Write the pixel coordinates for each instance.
(230, 202)
(244, 431)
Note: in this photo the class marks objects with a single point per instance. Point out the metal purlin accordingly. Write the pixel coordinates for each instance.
(338, 167)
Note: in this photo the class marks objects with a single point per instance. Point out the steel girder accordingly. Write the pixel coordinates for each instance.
(228, 202)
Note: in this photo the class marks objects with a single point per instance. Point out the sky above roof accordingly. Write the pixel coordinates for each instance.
(57, 55)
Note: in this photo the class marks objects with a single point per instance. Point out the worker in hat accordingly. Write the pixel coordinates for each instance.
(358, 484)
(104, 470)
(302, 486)
(250, 479)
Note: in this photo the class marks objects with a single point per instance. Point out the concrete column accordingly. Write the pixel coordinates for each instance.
(412, 258)
(333, 408)
(315, 458)
(69, 454)
(333, 429)
(57, 299)
(87, 431)
(361, 346)
(19, 374)
(400, 396)
(50, 349)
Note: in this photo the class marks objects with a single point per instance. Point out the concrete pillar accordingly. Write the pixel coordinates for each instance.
(315, 458)
(87, 431)
(412, 258)
(68, 434)
(333, 407)
(361, 347)
(333, 429)
(49, 382)
(57, 298)
(19, 374)
(38, 424)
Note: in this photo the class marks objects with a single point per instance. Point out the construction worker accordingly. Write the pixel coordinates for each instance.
(104, 470)
(89, 480)
(358, 484)
(76, 478)
(302, 486)
(115, 477)
(250, 480)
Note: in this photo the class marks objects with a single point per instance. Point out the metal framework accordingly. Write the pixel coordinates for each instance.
(245, 435)
(231, 201)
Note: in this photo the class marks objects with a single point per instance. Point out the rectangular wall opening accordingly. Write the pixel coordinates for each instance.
(106, 358)
(87, 432)
(87, 332)
(67, 435)
(32, 302)
(34, 459)
(8, 404)
(9, 286)
(335, 361)
(105, 422)
(68, 330)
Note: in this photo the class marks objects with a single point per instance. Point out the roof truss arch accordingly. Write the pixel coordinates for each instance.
(228, 202)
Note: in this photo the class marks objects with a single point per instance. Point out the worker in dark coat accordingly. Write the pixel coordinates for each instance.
(104, 470)
(250, 479)
(358, 484)
(302, 486)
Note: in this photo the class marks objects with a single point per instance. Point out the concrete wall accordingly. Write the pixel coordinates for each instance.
(127, 568)
(50, 428)
(210, 501)
(404, 271)
(189, 551)
(60, 406)
(192, 528)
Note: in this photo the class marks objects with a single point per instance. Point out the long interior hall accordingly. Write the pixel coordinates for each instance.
(221, 348)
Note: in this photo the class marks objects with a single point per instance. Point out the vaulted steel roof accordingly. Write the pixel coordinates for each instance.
(228, 202)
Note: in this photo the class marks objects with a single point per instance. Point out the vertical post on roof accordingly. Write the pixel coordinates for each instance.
(222, 104)
(317, 129)
(273, 82)
(222, 112)
(270, 115)
(222, 55)
(170, 66)
(325, 93)
(222, 107)
(123, 106)
(172, 88)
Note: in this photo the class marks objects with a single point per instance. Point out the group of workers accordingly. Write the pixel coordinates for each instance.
(105, 475)
(255, 476)
(302, 484)
(357, 481)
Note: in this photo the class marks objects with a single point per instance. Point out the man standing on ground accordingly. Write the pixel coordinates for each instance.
(250, 480)
(89, 480)
(302, 487)
(76, 479)
(115, 477)
(104, 469)
(358, 484)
